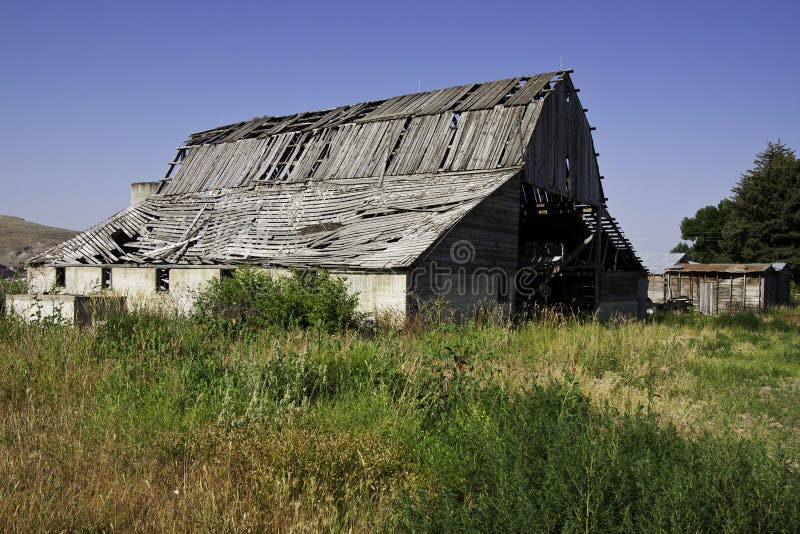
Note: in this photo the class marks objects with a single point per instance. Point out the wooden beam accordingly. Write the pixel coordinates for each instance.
(597, 257)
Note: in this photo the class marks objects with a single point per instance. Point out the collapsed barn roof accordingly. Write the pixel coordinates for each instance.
(364, 186)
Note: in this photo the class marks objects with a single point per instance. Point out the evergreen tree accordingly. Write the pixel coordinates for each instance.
(763, 222)
(682, 248)
(705, 231)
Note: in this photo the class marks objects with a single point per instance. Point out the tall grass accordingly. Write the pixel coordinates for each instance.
(554, 424)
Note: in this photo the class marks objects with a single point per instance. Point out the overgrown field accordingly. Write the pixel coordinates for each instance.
(556, 424)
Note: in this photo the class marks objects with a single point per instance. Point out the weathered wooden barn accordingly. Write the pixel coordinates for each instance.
(480, 193)
(657, 265)
(729, 287)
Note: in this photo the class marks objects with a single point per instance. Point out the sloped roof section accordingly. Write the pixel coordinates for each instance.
(721, 268)
(657, 263)
(382, 223)
(471, 97)
(464, 128)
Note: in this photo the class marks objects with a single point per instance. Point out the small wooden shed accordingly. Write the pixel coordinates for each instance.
(729, 287)
(656, 265)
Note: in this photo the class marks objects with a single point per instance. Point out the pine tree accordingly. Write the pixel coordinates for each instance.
(764, 218)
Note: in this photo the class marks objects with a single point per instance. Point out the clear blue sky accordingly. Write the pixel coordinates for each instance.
(95, 95)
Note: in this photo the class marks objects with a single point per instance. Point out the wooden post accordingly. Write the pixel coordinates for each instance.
(760, 296)
(730, 293)
(744, 291)
(597, 257)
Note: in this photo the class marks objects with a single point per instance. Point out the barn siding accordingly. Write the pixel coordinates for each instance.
(489, 236)
(562, 133)
(622, 293)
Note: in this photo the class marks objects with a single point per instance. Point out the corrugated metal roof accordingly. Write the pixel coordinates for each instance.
(658, 262)
(721, 268)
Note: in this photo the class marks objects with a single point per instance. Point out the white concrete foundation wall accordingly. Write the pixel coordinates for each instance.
(82, 280)
(138, 285)
(59, 308)
(378, 293)
(133, 281)
(41, 279)
(185, 286)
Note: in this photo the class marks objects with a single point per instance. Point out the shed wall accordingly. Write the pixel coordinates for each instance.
(732, 291)
(656, 288)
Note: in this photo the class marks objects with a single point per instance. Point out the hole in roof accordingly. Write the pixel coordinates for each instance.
(321, 227)
(511, 92)
(122, 240)
(454, 121)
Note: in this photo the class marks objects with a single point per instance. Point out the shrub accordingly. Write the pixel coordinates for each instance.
(254, 299)
(12, 286)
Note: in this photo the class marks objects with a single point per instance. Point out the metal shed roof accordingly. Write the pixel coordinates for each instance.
(657, 263)
(721, 268)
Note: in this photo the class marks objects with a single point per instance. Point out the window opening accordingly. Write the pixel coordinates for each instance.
(162, 280)
(105, 278)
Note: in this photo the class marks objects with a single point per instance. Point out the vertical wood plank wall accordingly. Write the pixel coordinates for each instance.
(657, 289)
(563, 133)
(735, 291)
(489, 234)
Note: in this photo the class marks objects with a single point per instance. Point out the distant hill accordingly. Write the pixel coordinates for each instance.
(21, 239)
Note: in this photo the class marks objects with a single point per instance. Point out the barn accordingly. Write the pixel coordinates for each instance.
(482, 193)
